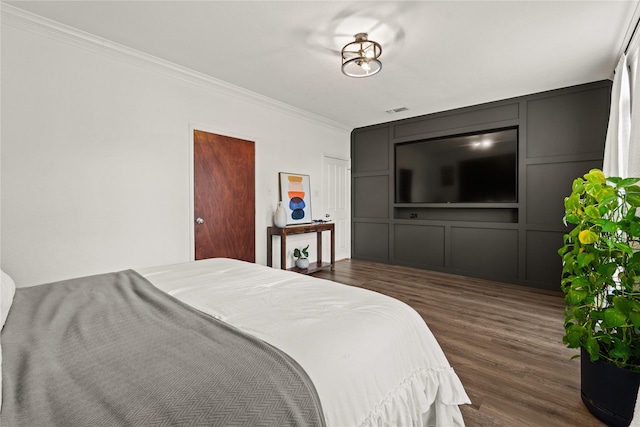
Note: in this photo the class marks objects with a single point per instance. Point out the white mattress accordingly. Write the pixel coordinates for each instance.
(372, 358)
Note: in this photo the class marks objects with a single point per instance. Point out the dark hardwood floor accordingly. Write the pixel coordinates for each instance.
(504, 341)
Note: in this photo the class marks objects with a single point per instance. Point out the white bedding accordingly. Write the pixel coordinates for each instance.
(372, 358)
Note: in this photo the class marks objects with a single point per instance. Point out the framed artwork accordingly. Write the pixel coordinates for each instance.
(296, 197)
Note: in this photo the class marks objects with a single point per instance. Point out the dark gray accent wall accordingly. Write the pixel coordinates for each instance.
(371, 196)
(373, 243)
(561, 136)
(420, 245)
(485, 251)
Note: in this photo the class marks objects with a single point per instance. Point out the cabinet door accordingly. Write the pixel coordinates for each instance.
(543, 264)
(371, 197)
(370, 150)
(485, 252)
(547, 186)
(371, 241)
(568, 124)
(419, 245)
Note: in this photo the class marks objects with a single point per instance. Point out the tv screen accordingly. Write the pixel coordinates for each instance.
(470, 168)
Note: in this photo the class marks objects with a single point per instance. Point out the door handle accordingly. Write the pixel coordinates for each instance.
(199, 220)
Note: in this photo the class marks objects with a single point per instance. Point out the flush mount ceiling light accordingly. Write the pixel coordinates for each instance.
(360, 57)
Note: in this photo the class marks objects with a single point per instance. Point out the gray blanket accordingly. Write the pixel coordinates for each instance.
(112, 350)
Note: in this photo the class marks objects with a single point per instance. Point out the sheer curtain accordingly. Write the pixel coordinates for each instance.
(619, 130)
(633, 60)
(622, 147)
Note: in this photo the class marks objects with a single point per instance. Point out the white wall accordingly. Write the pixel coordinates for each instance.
(95, 154)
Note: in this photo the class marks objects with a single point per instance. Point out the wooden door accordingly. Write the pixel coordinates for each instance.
(224, 197)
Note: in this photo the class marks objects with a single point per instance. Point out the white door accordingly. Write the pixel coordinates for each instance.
(337, 202)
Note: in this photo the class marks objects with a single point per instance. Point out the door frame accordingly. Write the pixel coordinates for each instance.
(224, 132)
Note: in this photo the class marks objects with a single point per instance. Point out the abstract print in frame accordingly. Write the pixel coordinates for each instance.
(296, 197)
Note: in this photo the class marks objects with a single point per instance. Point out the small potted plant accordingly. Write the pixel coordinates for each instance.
(302, 257)
(601, 282)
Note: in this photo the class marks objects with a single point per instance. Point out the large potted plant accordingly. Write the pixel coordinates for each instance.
(601, 282)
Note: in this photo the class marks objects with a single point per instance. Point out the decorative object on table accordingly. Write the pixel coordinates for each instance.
(601, 280)
(296, 197)
(302, 257)
(280, 216)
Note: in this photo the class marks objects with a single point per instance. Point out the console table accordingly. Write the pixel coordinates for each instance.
(301, 229)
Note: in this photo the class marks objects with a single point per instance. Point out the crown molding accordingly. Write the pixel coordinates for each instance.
(28, 21)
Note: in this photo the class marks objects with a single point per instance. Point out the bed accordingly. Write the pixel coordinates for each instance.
(361, 358)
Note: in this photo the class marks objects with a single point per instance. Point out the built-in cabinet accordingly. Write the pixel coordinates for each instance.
(561, 135)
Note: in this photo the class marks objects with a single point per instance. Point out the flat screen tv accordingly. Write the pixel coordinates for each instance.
(470, 168)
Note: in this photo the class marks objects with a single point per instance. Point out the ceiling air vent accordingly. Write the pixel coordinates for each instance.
(397, 110)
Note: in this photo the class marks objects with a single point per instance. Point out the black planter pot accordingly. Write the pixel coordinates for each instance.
(608, 392)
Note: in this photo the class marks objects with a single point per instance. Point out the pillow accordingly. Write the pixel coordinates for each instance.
(7, 291)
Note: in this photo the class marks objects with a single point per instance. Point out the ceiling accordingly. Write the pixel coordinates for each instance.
(436, 55)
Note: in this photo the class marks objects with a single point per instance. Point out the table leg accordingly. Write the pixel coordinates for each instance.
(269, 247)
(283, 251)
(333, 249)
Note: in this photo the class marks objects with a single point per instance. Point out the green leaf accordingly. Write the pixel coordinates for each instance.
(563, 250)
(614, 179)
(592, 211)
(633, 191)
(623, 304)
(592, 188)
(634, 262)
(609, 193)
(301, 253)
(626, 182)
(572, 218)
(577, 186)
(572, 202)
(608, 197)
(623, 247)
(580, 314)
(609, 226)
(587, 237)
(574, 335)
(585, 258)
(573, 234)
(621, 350)
(593, 348)
(597, 315)
(595, 175)
(576, 296)
(605, 339)
(608, 269)
(581, 282)
(614, 317)
(634, 317)
(633, 199)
